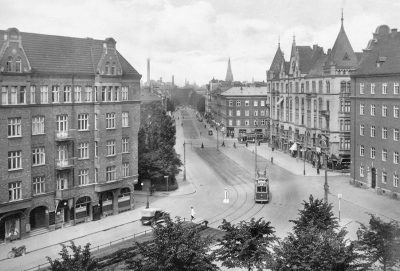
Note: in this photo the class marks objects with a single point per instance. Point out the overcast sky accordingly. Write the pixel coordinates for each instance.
(194, 39)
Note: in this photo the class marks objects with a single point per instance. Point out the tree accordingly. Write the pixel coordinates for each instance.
(177, 246)
(380, 242)
(79, 260)
(317, 242)
(246, 245)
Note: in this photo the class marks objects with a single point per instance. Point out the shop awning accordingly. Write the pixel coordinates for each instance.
(293, 147)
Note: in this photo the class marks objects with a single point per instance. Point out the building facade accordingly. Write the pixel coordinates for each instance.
(69, 154)
(375, 119)
(244, 110)
(310, 100)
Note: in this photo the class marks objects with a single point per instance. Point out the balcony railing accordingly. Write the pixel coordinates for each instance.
(64, 135)
(64, 163)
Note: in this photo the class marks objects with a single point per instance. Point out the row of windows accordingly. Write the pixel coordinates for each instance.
(247, 122)
(247, 103)
(262, 113)
(17, 94)
(384, 111)
(38, 123)
(384, 177)
(308, 86)
(385, 132)
(14, 65)
(39, 183)
(385, 152)
(39, 154)
(383, 87)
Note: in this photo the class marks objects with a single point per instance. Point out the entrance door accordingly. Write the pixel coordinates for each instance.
(373, 177)
(37, 217)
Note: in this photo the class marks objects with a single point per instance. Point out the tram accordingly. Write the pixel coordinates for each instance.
(261, 185)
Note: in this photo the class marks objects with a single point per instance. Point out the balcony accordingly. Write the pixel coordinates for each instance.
(64, 135)
(64, 163)
(64, 194)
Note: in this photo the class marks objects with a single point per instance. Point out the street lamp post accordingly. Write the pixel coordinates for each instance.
(166, 179)
(184, 160)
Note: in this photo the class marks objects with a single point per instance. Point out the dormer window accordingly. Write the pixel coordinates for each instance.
(18, 65)
(113, 68)
(9, 64)
(380, 61)
(107, 68)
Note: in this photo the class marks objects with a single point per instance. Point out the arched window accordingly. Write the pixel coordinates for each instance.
(9, 64)
(107, 68)
(113, 70)
(18, 65)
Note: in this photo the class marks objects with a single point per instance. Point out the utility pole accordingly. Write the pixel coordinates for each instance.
(305, 146)
(184, 160)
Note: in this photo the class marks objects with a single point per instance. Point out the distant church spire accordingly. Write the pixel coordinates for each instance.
(342, 17)
(229, 75)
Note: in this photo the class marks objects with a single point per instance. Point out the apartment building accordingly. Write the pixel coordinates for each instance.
(69, 154)
(375, 120)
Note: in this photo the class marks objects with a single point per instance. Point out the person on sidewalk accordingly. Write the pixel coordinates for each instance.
(192, 214)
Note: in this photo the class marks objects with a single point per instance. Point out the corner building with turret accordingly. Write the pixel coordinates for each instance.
(70, 110)
(310, 101)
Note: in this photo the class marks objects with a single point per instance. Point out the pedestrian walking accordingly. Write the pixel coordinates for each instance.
(192, 214)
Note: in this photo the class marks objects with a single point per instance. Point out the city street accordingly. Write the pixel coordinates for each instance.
(209, 173)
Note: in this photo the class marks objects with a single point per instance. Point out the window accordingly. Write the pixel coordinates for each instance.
(362, 129)
(4, 95)
(38, 156)
(246, 103)
(262, 113)
(255, 122)
(83, 176)
(384, 177)
(103, 94)
(113, 70)
(361, 88)
(22, 95)
(44, 94)
(396, 157)
(230, 122)
(373, 131)
(238, 123)
(262, 103)
(361, 109)
(83, 122)
(62, 183)
(396, 134)
(384, 88)
(238, 113)
(38, 185)
(14, 160)
(96, 149)
(96, 175)
(14, 127)
(13, 95)
(110, 121)
(372, 88)
(83, 150)
(384, 133)
(262, 122)
(246, 123)
(110, 147)
(255, 113)
(125, 119)
(361, 171)
(37, 125)
(95, 94)
(125, 145)
(230, 112)
(33, 94)
(247, 113)
(9, 64)
(384, 110)
(111, 174)
(62, 123)
(396, 111)
(109, 94)
(18, 65)
(384, 155)
(67, 94)
(124, 93)
(362, 150)
(116, 90)
(125, 169)
(395, 180)
(372, 110)
(55, 94)
(95, 121)
(88, 94)
(255, 103)
(373, 152)
(14, 191)
(238, 103)
(78, 94)
(107, 68)
(396, 88)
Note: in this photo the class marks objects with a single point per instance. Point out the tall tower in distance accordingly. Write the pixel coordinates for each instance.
(173, 81)
(148, 71)
(229, 75)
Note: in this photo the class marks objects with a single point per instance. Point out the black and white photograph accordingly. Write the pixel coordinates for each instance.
(199, 135)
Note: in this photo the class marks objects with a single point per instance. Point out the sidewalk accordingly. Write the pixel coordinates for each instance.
(292, 164)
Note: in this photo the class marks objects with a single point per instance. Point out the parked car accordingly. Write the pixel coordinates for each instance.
(152, 215)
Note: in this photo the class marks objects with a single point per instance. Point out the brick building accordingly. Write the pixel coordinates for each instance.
(69, 154)
(310, 100)
(375, 118)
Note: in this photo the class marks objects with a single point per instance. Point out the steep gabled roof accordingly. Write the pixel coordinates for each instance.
(277, 62)
(59, 54)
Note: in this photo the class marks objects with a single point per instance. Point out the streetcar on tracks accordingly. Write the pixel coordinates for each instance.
(261, 187)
